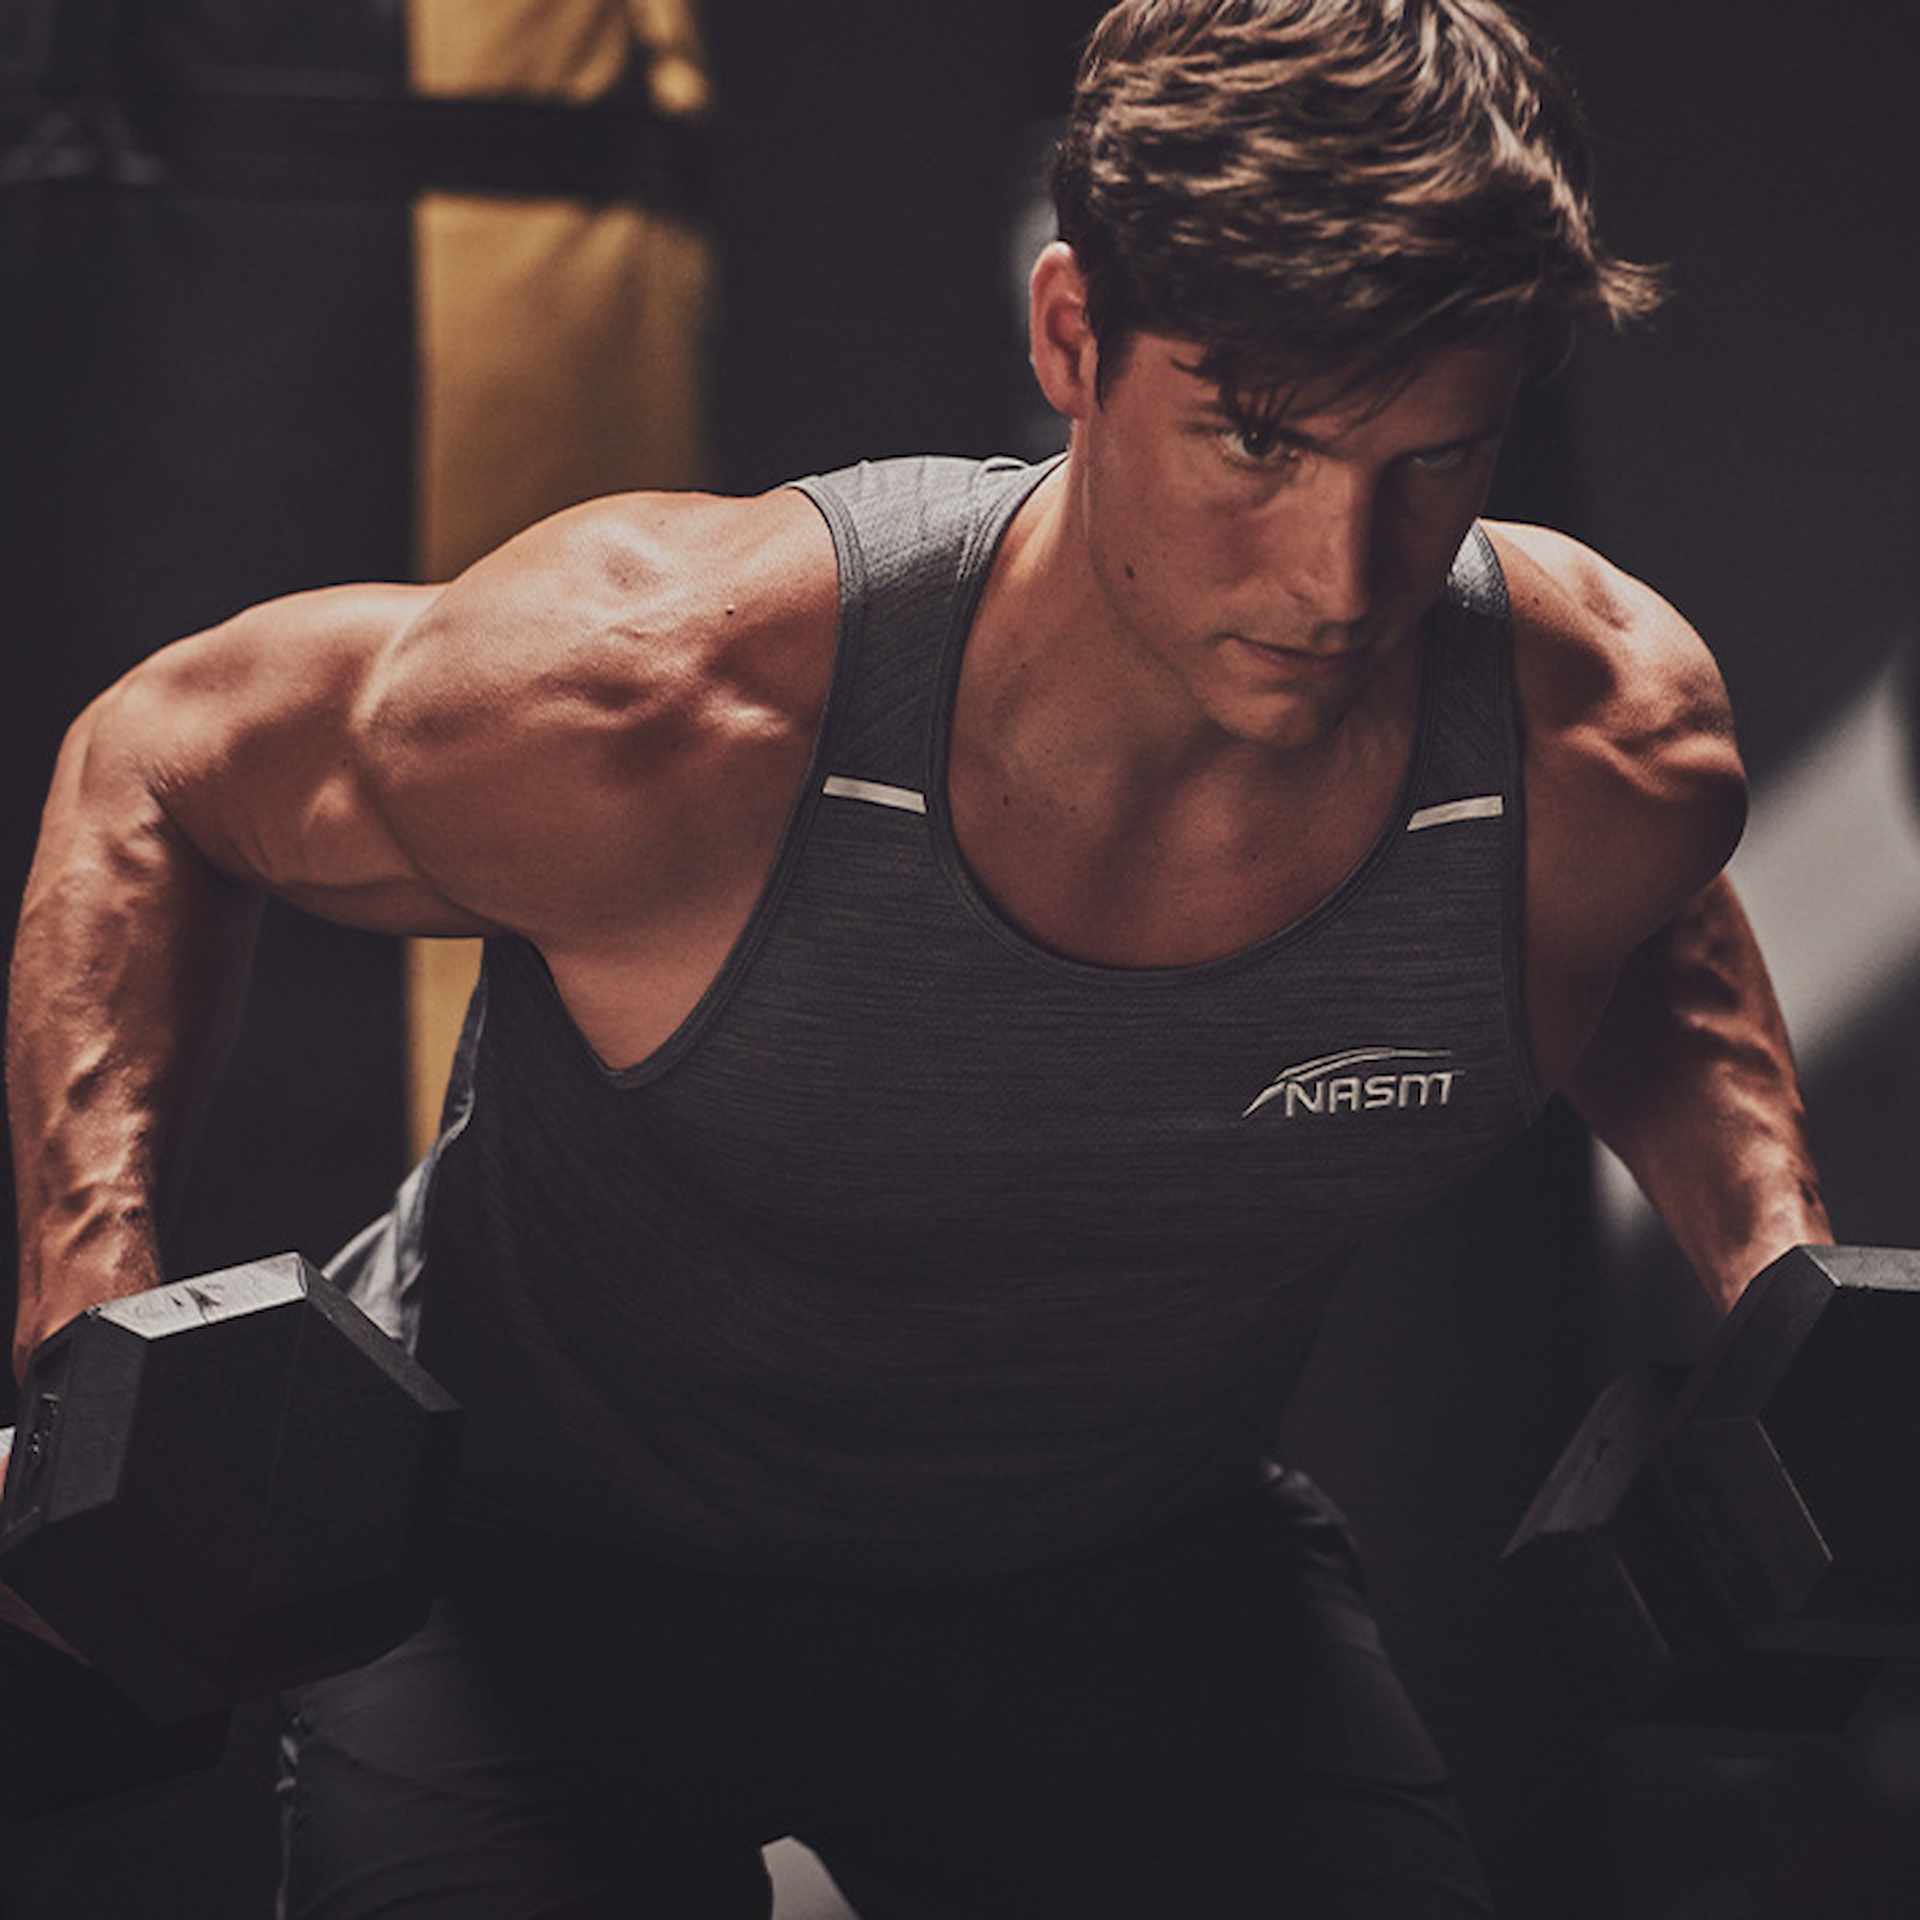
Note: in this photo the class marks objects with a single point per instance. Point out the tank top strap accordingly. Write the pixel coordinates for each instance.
(1470, 761)
(914, 539)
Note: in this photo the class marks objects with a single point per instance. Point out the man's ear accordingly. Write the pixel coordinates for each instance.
(1061, 345)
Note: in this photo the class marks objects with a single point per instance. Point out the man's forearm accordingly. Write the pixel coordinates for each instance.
(125, 988)
(1690, 1079)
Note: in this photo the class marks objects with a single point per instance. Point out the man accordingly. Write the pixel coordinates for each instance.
(967, 946)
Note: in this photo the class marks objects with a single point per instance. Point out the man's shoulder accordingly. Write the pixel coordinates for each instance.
(650, 632)
(660, 660)
(1616, 688)
(647, 584)
(1636, 794)
(1599, 653)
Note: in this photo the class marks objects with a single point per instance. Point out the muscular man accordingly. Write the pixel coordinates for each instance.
(967, 944)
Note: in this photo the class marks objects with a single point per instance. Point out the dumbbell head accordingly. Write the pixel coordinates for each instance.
(1743, 1546)
(1792, 1452)
(1598, 1594)
(226, 1485)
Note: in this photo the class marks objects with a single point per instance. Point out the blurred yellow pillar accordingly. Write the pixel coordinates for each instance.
(559, 346)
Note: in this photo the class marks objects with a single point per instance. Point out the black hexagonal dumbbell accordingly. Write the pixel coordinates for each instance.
(1741, 1546)
(217, 1488)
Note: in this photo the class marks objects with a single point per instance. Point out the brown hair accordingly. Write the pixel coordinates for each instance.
(1317, 186)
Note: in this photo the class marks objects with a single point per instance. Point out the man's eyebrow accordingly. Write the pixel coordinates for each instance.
(1214, 414)
(1463, 442)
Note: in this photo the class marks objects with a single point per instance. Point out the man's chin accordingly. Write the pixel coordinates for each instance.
(1285, 721)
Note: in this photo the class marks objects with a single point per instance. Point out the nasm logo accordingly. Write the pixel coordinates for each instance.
(1362, 1080)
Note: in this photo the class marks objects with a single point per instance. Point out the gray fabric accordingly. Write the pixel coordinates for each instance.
(382, 1266)
(919, 1249)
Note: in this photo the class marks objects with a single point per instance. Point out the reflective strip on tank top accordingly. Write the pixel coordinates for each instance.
(842, 787)
(1488, 806)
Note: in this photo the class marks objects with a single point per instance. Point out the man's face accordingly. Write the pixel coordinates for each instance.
(1272, 571)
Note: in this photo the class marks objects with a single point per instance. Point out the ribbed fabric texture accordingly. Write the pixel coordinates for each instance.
(921, 1250)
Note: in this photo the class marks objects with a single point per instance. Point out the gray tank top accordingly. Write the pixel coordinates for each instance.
(919, 1248)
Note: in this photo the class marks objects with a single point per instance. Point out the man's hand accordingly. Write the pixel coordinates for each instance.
(1690, 1079)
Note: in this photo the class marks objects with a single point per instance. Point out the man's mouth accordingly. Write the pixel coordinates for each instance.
(1322, 659)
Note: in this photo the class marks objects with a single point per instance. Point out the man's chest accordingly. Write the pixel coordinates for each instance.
(1151, 886)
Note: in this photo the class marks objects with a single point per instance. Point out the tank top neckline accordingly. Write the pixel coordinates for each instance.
(976, 564)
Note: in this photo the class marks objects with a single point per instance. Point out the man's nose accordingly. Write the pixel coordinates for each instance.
(1333, 555)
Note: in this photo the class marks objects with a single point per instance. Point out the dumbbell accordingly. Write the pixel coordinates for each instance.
(217, 1488)
(1740, 1546)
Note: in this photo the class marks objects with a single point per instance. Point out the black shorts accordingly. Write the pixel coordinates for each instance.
(1202, 1722)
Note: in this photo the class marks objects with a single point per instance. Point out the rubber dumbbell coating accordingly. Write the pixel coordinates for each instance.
(227, 1485)
(1739, 1546)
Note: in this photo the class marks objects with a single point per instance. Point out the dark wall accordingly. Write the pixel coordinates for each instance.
(1753, 454)
(865, 187)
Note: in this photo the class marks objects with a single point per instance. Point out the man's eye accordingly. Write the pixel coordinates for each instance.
(1445, 459)
(1257, 446)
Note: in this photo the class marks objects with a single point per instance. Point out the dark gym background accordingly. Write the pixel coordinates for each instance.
(206, 397)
